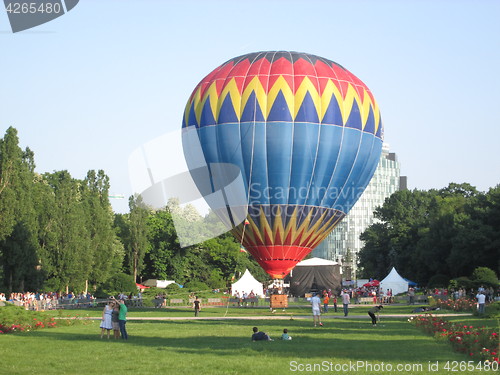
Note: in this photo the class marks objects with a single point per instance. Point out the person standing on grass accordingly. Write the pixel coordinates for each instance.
(481, 301)
(122, 319)
(316, 309)
(196, 306)
(106, 324)
(326, 300)
(346, 299)
(115, 320)
(375, 310)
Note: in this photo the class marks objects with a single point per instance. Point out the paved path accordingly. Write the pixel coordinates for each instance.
(276, 317)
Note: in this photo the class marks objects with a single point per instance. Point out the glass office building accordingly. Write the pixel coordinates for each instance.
(343, 244)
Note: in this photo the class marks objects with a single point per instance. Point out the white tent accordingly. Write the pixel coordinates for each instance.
(316, 262)
(395, 282)
(158, 283)
(247, 283)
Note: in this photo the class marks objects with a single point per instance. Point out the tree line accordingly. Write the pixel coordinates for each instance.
(59, 233)
(434, 236)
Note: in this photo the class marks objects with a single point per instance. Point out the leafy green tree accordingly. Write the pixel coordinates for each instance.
(21, 253)
(138, 245)
(444, 232)
(10, 165)
(99, 217)
(485, 276)
(68, 249)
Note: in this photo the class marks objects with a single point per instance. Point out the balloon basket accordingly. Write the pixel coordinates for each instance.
(279, 301)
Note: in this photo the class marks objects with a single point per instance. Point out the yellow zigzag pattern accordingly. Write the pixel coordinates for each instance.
(254, 235)
(321, 102)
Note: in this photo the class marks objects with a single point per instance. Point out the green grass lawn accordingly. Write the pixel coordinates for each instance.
(224, 347)
(295, 310)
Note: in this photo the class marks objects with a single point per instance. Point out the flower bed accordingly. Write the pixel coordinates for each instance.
(17, 319)
(458, 305)
(477, 343)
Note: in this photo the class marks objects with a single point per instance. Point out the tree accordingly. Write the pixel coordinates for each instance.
(10, 165)
(21, 251)
(68, 243)
(446, 232)
(485, 276)
(138, 244)
(100, 226)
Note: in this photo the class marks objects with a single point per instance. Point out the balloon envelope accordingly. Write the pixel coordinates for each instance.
(306, 135)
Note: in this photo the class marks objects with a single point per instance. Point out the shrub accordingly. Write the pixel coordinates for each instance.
(173, 289)
(118, 283)
(439, 281)
(459, 305)
(17, 319)
(464, 282)
(485, 276)
(477, 343)
(492, 310)
(196, 286)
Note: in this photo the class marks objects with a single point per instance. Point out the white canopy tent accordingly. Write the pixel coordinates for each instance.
(395, 282)
(155, 283)
(247, 283)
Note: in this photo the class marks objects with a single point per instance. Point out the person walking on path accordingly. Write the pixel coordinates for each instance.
(122, 319)
(375, 310)
(316, 309)
(346, 299)
(196, 306)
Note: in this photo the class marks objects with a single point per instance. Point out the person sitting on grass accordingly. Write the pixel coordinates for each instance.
(285, 336)
(259, 335)
(375, 310)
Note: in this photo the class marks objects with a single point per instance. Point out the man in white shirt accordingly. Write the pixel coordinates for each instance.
(346, 299)
(481, 301)
(316, 309)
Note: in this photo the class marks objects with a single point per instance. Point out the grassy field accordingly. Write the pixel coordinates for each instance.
(292, 311)
(224, 346)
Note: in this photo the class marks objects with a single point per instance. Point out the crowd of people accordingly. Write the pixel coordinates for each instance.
(47, 301)
(244, 298)
(54, 300)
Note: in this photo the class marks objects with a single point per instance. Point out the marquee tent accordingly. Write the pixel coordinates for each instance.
(158, 283)
(247, 283)
(315, 274)
(395, 282)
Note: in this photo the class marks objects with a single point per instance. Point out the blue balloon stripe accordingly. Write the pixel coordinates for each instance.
(279, 156)
(352, 189)
(257, 156)
(330, 142)
(371, 164)
(305, 149)
(349, 149)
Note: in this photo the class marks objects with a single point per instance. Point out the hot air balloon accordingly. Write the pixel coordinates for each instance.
(306, 135)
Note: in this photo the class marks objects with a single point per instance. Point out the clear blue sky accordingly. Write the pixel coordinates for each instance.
(88, 88)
